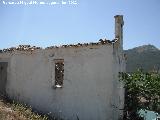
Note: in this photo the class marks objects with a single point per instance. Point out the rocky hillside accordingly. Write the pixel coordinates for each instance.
(146, 57)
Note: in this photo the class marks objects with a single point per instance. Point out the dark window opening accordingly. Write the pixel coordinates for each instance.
(3, 78)
(59, 72)
(1, 68)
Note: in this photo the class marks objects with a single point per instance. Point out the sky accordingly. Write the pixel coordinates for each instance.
(78, 21)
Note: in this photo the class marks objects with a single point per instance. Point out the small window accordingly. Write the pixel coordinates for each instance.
(59, 72)
(1, 68)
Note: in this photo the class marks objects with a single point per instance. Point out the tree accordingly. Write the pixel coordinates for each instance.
(142, 91)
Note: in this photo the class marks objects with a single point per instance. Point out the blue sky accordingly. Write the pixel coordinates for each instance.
(87, 21)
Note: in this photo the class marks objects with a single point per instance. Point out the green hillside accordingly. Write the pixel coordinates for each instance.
(146, 57)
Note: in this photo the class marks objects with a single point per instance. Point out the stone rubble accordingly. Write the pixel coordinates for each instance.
(101, 42)
(32, 48)
(21, 48)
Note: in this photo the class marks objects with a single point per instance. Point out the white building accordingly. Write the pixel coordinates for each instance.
(73, 82)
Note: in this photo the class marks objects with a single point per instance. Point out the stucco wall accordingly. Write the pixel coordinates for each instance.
(90, 88)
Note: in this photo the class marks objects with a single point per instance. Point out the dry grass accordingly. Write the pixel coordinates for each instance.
(17, 111)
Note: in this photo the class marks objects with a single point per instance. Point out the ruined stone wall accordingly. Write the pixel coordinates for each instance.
(89, 87)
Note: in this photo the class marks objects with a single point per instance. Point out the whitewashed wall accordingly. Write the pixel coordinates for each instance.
(91, 90)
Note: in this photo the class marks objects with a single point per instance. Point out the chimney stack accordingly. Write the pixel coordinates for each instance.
(119, 29)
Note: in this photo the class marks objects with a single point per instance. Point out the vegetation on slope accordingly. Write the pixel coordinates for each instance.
(15, 111)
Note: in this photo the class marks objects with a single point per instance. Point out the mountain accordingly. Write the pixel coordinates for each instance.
(146, 57)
